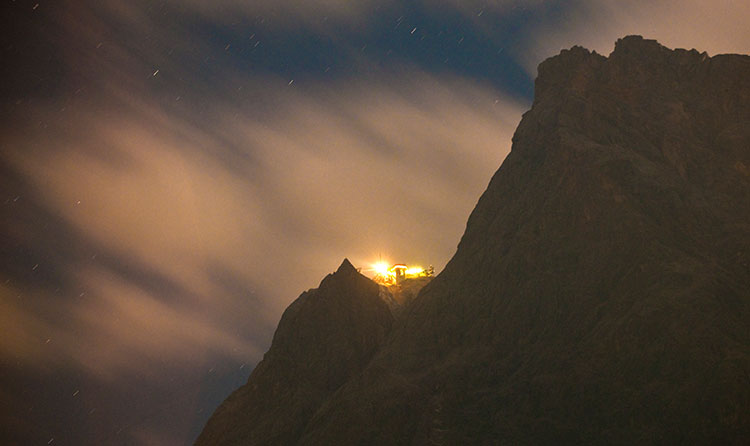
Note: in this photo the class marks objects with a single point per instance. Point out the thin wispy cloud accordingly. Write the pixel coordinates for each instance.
(192, 230)
(356, 169)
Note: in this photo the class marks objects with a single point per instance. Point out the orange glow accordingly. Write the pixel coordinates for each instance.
(381, 268)
(414, 271)
(385, 275)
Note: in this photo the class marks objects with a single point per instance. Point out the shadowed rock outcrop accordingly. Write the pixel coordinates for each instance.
(600, 293)
(324, 338)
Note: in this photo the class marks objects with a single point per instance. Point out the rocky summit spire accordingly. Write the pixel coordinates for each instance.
(324, 338)
(346, 267)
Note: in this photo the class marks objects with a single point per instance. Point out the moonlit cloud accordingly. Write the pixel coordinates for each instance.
(358, 169)
(163, 205)
(316, 13)
(21, 330)
(174, 244)
(335, 9)
(286, 14)
(477, 8)
(142, 326)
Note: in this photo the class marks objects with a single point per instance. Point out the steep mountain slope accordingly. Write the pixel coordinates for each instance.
(324, 338)
(601, 291)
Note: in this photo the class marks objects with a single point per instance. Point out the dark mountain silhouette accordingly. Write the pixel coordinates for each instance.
(324, 338)
(600, 293)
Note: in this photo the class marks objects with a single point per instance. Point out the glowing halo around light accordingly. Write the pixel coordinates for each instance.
(381, 268)
(414, 271)
(386, 275)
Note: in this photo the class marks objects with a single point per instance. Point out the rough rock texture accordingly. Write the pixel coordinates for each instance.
(399, 296)
(601, 291)
(324, 338)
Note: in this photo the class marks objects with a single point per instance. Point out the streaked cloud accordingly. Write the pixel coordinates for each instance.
(163, 204)
(356, 168)
(317, 14)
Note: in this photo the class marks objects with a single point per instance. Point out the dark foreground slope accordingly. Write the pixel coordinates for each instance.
(324, 338)
(601, 291)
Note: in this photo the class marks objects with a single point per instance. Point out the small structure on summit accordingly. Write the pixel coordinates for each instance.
(397, 273)
(399, 270)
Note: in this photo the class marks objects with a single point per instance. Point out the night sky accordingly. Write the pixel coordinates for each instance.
(174, 173)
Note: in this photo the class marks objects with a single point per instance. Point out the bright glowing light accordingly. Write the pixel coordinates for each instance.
(381, 268)
(383, 273)
(386, 275)
(414, 271)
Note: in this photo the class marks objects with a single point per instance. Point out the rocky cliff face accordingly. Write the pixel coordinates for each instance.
(600, 293)
(324, 338)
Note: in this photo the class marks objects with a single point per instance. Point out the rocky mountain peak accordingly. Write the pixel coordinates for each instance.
(346, 273)
(602, 279)
(572, 69)
(346, 267)
(324, 338)
(635, 65)
(639, 47)
(598, 296)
